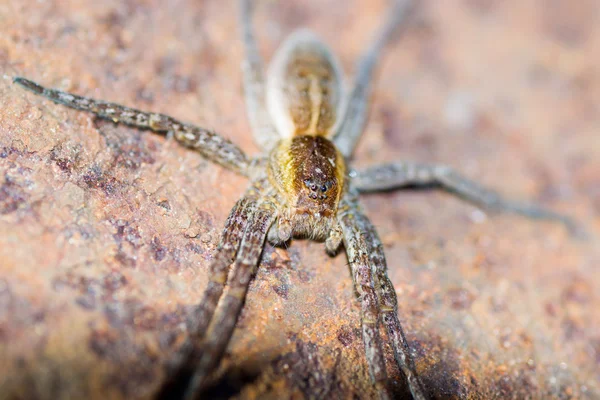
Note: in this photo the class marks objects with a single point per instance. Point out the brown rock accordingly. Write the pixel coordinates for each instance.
(106, 232)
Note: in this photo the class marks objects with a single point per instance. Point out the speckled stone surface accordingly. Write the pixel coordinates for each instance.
(106, 232)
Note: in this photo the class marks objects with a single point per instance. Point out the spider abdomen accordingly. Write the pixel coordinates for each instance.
(304, 87)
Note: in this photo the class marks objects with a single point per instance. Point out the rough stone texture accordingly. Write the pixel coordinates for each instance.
(106, 232)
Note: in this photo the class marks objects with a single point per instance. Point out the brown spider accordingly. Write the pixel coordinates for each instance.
(301, 186)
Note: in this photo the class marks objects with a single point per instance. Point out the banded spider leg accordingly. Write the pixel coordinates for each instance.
(378, 297)
(211, 327)
(403, 174)
(208, 143)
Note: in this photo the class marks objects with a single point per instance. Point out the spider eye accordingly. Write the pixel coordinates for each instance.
(323, 188)
(313, 188)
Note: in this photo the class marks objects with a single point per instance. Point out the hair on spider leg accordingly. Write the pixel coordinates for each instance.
(407, 174)
(301, 186)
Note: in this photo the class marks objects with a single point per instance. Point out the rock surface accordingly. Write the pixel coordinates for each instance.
(106, 232)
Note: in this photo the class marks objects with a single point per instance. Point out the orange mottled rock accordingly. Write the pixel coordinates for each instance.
(106, 232)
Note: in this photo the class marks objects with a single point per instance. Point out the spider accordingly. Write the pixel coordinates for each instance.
(301, 186)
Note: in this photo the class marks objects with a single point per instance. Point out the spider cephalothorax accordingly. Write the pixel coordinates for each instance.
(300, 187)
(308, 173)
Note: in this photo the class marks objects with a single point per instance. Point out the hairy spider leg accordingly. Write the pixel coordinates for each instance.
(263, 130)
(223, 323)
(230, 243)
(208, 143)
(357, 107)
(362, 276)
(400, 174)
(388, 301)
(181, 366)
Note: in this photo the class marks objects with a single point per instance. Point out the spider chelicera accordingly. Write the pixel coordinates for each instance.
(300, 186)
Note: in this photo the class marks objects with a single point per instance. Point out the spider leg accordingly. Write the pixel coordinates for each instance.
(228, 247)
(362, 275)
(402, 174)
(389, 304)
(211, 145)
(181, 365)
(356, 111)
(254, 84)
(223, 323)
